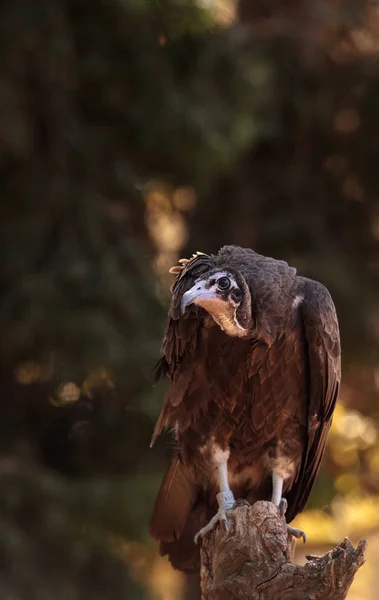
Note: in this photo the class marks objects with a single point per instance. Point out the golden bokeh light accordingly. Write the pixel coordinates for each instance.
(166, 224)
(28, 372)
(67, 393)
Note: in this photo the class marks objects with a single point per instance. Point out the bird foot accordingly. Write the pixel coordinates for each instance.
(226, 503)
(298, 533)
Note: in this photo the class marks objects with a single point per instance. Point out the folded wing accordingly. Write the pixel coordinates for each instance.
(324, 375)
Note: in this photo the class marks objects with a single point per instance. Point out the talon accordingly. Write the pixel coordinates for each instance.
(223, 518)
(283, 505)
(241, 502)
(297, 533)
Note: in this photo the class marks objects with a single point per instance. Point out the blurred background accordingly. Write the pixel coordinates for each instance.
(134, 132)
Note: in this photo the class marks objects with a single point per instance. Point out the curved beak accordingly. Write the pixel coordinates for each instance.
(196, 295)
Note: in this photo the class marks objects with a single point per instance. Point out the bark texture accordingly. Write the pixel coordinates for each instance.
(253, 561)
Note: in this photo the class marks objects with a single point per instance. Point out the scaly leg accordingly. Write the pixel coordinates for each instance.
(277, 488)
(281, 503)
(225, 501)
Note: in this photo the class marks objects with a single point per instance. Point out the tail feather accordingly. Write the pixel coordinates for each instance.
(176, 497)
(183, 553)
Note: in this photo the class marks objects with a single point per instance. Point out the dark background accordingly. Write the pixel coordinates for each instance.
(131, 133)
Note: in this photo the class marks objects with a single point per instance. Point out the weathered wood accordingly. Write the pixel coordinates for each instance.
(252, 561)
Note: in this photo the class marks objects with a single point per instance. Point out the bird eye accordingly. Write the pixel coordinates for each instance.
(223, 283)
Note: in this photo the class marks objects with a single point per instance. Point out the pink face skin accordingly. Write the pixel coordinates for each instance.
(218, 296)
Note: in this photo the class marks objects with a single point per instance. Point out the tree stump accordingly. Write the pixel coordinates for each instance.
(252, 561)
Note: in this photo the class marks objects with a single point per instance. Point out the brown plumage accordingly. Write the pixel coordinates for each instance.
(253, 355)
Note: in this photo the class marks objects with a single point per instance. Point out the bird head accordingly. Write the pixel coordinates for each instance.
(225, 295)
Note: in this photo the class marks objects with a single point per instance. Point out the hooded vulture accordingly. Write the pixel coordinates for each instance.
(252, 351)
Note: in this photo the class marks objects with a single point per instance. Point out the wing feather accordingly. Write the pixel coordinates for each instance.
(180, 338)
(324, 368)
